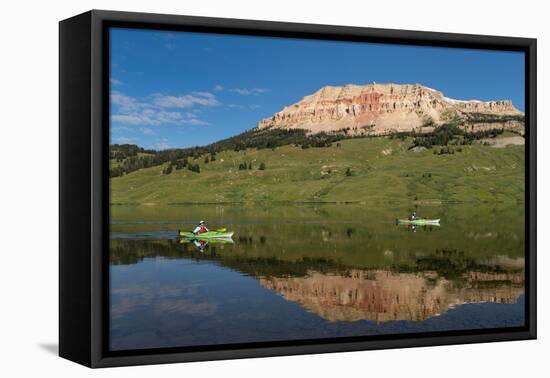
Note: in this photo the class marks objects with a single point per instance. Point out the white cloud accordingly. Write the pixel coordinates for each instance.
(147, 131)
(125, 103)
(186, 101)
(114, 81)
(168, 117)
(238, 106)
(122, 140)
(149, 116)
(130, 119)
(205, 95)
(129, 111)
(120, 128)
(249, 91)
(219, 88)
(197, 122)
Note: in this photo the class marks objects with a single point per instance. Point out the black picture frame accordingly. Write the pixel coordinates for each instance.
(84, 192)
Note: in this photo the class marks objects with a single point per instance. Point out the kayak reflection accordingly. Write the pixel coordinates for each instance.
(414, 223)
(415, 228)
(202, 243)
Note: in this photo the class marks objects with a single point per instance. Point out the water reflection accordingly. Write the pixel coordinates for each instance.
(328, 275)
(381, 295)
(202, 243)
(425, 287)
(415, 228)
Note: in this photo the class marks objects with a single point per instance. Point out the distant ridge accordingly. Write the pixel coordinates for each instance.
(379, 109)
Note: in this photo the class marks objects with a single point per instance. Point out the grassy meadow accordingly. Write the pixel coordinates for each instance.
(380, 169)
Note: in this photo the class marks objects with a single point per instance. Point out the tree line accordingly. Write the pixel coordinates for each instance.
(123, 151)
(132, 157)
(450, 133)
(493, 118)
(130, 160)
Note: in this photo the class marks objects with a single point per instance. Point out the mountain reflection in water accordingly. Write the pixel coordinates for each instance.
(339, 293)
(384, 295)
(281, 280)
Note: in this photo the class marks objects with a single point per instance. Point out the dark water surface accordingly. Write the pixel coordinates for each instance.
(311, 271)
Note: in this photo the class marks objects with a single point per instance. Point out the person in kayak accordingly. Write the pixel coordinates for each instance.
(201, 228)
(413, 216)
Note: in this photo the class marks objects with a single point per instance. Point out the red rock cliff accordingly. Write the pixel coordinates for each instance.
(377, 109)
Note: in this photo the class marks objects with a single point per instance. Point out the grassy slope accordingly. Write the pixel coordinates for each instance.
(383, 170)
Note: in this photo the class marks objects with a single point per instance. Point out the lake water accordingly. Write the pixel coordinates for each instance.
(305, 271)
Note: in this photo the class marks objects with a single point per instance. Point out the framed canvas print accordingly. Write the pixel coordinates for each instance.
(234, 188)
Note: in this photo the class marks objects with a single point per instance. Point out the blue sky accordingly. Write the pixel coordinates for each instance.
(180, 89)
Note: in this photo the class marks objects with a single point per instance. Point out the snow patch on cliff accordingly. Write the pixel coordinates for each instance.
(455, 101)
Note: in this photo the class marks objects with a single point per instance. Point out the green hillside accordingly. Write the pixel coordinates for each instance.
(380, 169)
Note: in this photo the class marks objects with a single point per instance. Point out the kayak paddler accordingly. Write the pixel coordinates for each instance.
(201, 228)
(413, 216)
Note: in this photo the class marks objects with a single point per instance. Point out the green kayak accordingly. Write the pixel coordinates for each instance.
(419, 222)
(206, 235)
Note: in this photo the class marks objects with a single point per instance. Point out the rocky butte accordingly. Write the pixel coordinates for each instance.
(379, 295)
(381, 109)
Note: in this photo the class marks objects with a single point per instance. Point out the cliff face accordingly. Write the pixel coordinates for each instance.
(385, 296)
(377, 109)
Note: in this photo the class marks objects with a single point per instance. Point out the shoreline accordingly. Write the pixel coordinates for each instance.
(283, 203)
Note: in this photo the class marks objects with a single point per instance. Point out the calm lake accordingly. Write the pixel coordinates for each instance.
(304, 271)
